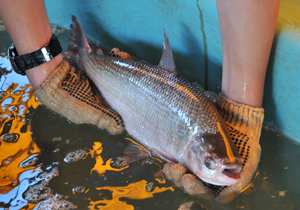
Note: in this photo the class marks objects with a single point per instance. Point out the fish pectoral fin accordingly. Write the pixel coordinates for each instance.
(167, 61)
(134, 152)
(162, 156)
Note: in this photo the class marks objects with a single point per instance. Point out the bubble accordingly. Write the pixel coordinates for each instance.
(17, 92)
(58, 196)
(57, 139)
(149, 161)
(186, 205)
(29, 162)
(149, 186)
(2, 95)
(54, 203)
(120, 162)
(47, 176)
(75, 156)
(38, 192)
(56, 150)
(11, 137)
(79, 189)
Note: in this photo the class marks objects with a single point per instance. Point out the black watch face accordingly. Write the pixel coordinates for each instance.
(10, 57)
(11, 54)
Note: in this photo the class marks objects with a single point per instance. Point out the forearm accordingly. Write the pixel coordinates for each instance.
(29, 28)
(247, 28)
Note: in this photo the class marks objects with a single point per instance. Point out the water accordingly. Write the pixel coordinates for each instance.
(35, 142)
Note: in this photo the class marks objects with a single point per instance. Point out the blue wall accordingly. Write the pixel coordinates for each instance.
(136, 26)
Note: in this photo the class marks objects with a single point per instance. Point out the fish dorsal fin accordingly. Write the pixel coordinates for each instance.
(167, 60)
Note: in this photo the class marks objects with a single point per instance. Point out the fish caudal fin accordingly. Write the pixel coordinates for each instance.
(78, 42)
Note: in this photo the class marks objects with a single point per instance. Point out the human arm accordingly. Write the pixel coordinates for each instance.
(28, 25)
(29, 28)
(247, 29)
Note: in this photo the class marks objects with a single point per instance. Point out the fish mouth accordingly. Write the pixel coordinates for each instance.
(232, 172)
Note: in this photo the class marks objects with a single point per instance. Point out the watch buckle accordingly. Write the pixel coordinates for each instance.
(46, 54)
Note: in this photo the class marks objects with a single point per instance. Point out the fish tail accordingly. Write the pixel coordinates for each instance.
(77, 43)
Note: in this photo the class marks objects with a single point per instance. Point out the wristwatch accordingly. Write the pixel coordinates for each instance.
(21, 63)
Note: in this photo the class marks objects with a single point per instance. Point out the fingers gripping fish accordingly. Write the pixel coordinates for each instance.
(162, 110)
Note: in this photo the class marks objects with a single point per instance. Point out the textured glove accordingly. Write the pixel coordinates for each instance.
(68, 92)
(244, 124)
(188, 182)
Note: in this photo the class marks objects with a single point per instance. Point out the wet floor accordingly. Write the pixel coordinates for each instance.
(46, 161)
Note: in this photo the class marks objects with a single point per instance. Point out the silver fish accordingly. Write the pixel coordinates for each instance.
(162, 110)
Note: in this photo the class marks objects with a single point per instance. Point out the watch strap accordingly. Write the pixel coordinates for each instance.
(21, 63)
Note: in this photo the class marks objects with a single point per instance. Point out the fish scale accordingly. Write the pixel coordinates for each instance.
(161, 109)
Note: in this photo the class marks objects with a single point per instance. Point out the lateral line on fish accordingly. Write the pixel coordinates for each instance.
(165, 81)
(227, 144)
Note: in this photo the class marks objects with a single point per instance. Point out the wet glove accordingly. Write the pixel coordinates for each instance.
(68, 92)
(244, 124)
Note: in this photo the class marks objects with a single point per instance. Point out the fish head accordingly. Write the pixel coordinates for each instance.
(214, 159)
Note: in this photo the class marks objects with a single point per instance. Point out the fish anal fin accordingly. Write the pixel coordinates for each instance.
(167, 61)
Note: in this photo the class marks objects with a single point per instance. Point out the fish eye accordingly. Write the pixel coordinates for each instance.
(209, 163)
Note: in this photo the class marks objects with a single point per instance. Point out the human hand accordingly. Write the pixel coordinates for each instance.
(68, 92)
(188, 182)
(244, 124)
